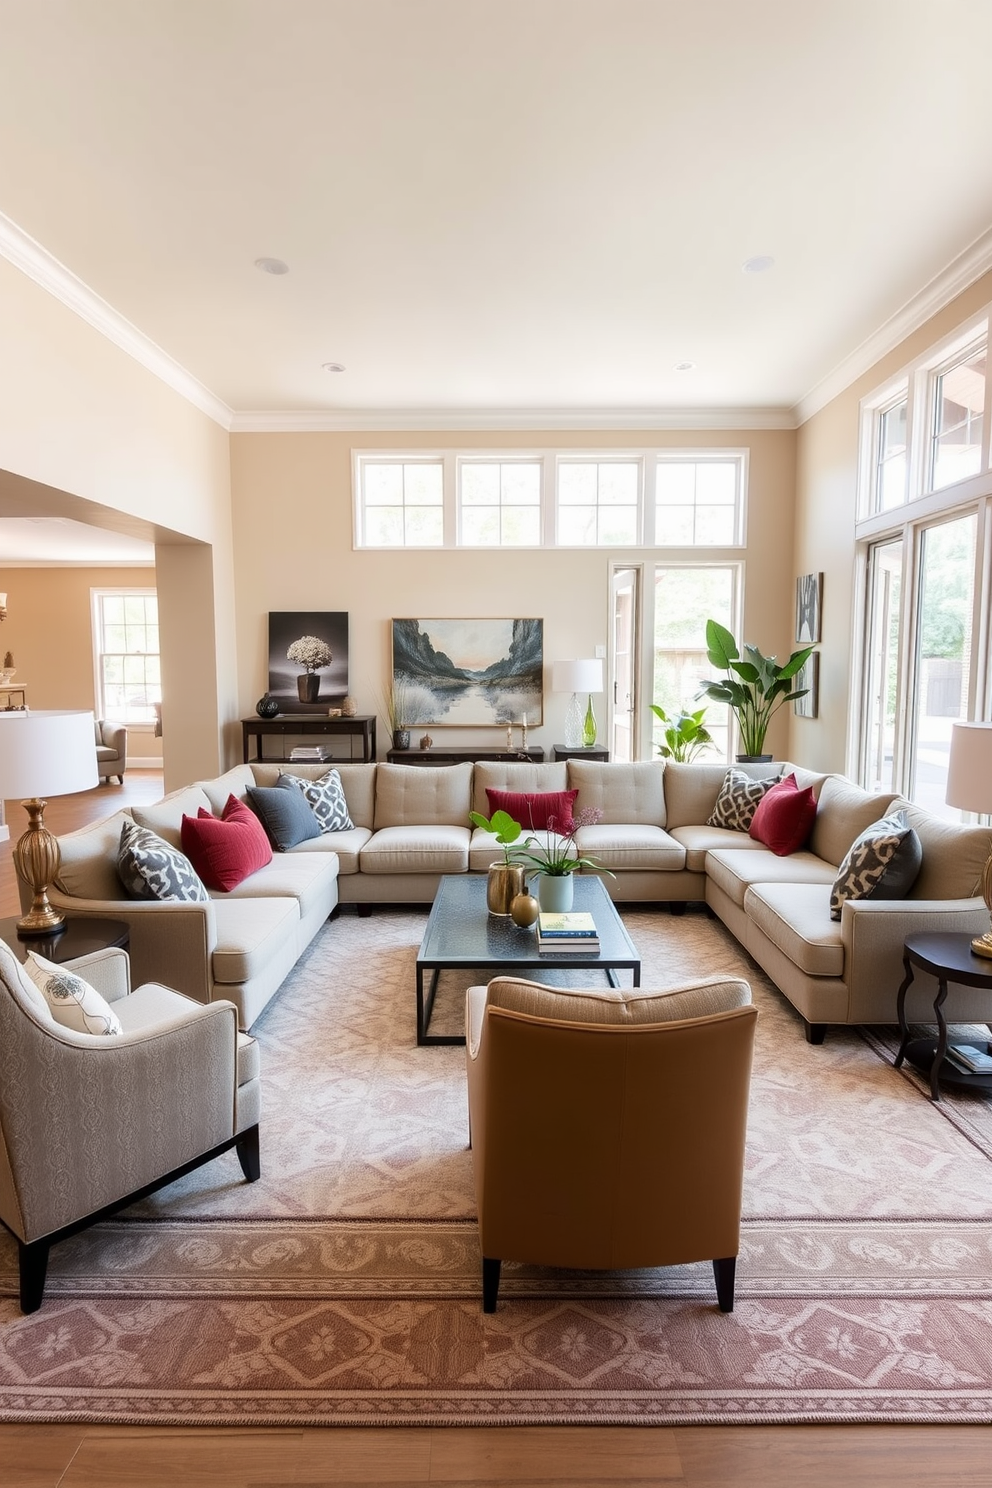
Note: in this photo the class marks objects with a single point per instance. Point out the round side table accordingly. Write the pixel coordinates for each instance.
(79, 938)
(949, 958)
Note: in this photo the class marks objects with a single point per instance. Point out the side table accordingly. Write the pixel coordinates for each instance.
(949, 958)
(581, 751)
(80, 937)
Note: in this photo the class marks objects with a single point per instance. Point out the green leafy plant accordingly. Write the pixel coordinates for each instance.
(558, 854)
(685, 736)
(755, 686)
(504, 828)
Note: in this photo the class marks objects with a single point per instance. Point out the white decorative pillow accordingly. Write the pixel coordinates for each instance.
(738, 800)
(326, 800)
(151, 868)
(882, 863)
(74, 1003)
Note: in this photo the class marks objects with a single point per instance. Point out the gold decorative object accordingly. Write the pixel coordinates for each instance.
(524, 910)
(349, 707)
(504, 884)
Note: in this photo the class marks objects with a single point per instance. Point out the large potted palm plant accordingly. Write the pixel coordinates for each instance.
(754, 688)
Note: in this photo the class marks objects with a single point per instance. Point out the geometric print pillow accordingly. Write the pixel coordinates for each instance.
(882, 863)
(151, 868)
(74, 1003)
(325, 798)
(738, 800)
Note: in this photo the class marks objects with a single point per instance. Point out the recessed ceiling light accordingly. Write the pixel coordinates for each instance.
(272, 266)
(758, 264)
(684, 367)
(333, 366)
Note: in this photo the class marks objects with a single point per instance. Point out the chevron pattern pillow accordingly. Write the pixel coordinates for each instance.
(151, 868)
(882, 863)
(738, 800)
(325, 797)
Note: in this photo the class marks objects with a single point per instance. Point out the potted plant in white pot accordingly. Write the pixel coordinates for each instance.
(755, 686)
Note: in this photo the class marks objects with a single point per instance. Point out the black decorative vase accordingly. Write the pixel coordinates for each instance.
(401, 738)
(308, 687)
(267, 706)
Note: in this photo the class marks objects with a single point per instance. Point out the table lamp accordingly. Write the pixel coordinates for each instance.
(577, 677)
(43, 754)
(969, 786)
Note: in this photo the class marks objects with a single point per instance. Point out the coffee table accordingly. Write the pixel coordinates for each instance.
(462, 935)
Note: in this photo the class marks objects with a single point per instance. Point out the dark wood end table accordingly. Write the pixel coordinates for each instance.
(81, 937)
(949, 958)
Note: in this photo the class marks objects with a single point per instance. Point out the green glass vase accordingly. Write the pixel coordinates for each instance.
(589, 726)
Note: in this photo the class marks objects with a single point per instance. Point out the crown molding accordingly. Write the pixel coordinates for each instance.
(46, 271)
(355, 421)
(962, 271)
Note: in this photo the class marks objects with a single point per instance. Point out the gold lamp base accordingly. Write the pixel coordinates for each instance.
(982, 945)
(36, 859)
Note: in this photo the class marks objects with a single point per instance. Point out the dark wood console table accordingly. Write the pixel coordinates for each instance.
(444, 756)
(292, 725)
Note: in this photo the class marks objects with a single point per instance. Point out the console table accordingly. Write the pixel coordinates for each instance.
(444, 756)
(581, 751)
(292, 725)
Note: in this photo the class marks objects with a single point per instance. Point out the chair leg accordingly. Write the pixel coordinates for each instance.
(490, 1283)
(33, 1259)
(814, 1032)
(723, 1274)
(120, 780)
(248, 1154)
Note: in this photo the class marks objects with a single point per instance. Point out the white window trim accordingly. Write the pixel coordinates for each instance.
(96, 634)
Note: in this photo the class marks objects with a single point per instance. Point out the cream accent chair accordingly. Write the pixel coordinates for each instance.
(111, 749)
(90, 1123)
(608, 1127)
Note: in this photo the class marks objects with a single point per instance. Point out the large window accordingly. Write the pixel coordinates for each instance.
(125, 639)
(685, 597)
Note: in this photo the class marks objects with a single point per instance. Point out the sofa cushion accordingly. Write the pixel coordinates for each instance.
(88, 869)
(843, 811)
(735, 869)
(634, 846)
(796, 918)
(326, 799)
(515, 775)
(784, 817)
(345, 846)
(357, 780)
(738, 800)
(232, 783)
(251, 934)
(284, 814)
(535, 810)
(151, 868)
(633, 1005)
(225, 850)
(73, 1002)
(691, 790)
(423, 796)
(953, 855)
(165, 817)
(300, 876)
(882, 863)
(423, 849)
(623, 793)
(483, 849)
(699, 841)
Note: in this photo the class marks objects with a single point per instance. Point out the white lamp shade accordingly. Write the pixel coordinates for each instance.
(969, 773)
(577, 676)
(46, 754)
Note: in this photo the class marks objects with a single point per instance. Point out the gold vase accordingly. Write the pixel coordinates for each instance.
(505, 882)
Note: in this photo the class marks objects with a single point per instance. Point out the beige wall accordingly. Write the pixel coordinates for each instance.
(826, 493)
(293, 550)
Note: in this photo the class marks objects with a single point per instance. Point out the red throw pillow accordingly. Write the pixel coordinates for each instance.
(542, 811)
(784, 817)
(225, 850)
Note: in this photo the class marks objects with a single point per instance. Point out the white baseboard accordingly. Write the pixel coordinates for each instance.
(142, 762)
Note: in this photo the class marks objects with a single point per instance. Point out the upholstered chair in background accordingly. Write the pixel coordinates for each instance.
(608, 1127)
(111, 749)
(91, 1122)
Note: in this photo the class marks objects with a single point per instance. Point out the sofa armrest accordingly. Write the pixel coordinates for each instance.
(107, 970)
(873, 933)
(170, 942)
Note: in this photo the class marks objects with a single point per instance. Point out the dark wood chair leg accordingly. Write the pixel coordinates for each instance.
(33, 1260)
(248, 1154)
(814, 1032)
(724, 1272)
(676, 906)
(490, 1283)
(364, 910)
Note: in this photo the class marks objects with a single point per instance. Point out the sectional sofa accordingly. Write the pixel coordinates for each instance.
(410, 826)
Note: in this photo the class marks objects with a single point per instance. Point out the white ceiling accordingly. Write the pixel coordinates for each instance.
(500, 207)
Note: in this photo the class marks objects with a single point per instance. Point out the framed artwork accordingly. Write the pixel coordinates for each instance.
(469, 673)
(287, 626)
(809, 603)
(809, 676)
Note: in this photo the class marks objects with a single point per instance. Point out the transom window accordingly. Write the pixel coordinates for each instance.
(890, 473)
(698, 502)
(500, 503)
(402, 504)
(598, 503)
(128, 675)
(958, 408)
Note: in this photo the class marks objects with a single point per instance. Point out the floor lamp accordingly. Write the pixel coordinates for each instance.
(43, 754)
(969, 786)
(578, 677)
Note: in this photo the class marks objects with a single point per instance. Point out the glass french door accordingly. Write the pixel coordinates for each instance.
(885, 562)
(625, 584)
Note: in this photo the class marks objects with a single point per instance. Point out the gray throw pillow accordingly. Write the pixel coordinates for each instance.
(326, 800)
(738, 800)
(882, 863)
(151, 868)
(284, 813)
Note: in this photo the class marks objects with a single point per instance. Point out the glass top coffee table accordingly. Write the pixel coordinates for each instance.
(462, 935)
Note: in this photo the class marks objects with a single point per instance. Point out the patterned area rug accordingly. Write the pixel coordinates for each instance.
(344, 1286)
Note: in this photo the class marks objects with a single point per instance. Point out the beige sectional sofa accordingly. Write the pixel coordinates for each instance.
(411, 826)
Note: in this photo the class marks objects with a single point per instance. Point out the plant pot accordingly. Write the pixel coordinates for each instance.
(401, 738)
(555, 892)
(505, 882)
(308, 687)
(753, 759)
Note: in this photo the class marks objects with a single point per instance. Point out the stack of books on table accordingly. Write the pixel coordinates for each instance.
(970, 1058)
(309, 754)
(575, 932)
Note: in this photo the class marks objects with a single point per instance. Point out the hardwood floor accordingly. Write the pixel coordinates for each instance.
(44, 1456)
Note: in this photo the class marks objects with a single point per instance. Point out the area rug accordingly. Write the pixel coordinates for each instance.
(344, 1286)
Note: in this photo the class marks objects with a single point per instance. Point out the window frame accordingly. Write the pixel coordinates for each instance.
(97, 596)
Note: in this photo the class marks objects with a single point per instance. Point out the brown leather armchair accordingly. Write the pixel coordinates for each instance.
(608, 1127)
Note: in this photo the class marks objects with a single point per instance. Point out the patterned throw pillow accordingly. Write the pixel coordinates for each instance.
(738, 800)
(882, 863)
(325, 797)
(74, 1003)
(150, 868)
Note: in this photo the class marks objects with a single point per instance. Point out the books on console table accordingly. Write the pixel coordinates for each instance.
(309, 754)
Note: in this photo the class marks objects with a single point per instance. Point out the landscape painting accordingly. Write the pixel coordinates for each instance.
(287, 626)
(469, 673)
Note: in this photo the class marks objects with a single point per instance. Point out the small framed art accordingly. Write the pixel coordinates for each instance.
(809, 603)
